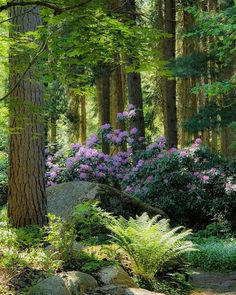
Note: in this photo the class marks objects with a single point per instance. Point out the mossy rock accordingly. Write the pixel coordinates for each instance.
(63, 198)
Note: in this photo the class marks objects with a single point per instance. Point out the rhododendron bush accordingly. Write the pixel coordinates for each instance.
(191, 185)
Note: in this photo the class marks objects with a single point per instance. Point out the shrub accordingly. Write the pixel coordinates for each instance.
(89, 222)
(191, 185)
(214, 254)
(150, 245)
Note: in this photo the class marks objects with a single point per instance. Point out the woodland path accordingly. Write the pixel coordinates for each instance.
(214, 283)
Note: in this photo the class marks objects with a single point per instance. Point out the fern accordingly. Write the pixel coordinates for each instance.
(150, 244)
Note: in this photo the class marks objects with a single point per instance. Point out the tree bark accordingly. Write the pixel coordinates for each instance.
(103, 99)
(136, 98)
(27, 196)
(171, 111)
(73, 115)
(160, 79)
(134, 79)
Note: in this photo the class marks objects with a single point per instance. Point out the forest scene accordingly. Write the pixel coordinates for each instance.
(118, 147)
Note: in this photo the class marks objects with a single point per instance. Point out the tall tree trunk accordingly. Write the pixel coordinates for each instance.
(117, 94)
(136, 99)
(134, 79)
(73, 115)
(188, 100)
(160, 80)
(27, 197)
(53, 129)
(103, 99)
(83, 126)
(171, 112)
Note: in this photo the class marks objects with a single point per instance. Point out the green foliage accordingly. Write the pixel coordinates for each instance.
(60, 235)
(214, 254)
(89, 222)
(211, 116)
(30, 236)
(174, 284)
(150, 245)
(219, 228)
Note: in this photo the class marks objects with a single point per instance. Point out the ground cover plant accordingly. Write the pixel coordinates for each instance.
(30, 254)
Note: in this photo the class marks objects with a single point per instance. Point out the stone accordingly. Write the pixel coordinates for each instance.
(111, 290)
(115, 275)
(137, 291)
(78, 282)
(65, 283)
(51, 286)
(63, 198)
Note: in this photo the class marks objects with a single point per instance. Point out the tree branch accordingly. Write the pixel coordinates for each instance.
(57, 9)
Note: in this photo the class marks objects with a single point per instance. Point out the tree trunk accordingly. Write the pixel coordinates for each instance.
(171, 112)
(117, 95)
(53, 129)
(134, 80)
(103, 99)
(160, 80)
(27, 197)
(73, 115)
(83, 112)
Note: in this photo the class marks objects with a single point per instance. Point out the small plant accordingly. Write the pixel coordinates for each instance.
(60, 235)
(89, 222)
(150, 245)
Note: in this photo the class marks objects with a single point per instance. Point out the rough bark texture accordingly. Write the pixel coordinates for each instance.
(171, 113)
(27, 197)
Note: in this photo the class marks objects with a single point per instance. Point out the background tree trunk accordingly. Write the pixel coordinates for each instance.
(27, 197)
(73, 115)
(171, 113)
(161, 79)
(134, 80)
(103, 99)
(83, 126)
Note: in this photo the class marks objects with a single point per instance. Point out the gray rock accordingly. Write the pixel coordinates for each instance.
(136, 291)
(111, 290)
(65, 283)
(63, 198)
(50, 286)
(78, 282)
(115, 275)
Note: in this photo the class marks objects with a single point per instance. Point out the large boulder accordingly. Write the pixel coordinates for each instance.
(63, 198)
(51, 286)
(78, 282)
(65, 283)
(114, 280)
(115, 275)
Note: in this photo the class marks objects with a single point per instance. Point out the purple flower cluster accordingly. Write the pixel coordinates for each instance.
(127, 115)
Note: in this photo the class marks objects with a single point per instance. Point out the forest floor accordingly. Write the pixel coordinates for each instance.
(214, 283)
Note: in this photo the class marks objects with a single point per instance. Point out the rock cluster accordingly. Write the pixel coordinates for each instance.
(111, 280)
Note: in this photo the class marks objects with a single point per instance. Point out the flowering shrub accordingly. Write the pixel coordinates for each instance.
(191, 185)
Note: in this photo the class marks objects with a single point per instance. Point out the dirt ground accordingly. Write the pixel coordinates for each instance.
(214, 283)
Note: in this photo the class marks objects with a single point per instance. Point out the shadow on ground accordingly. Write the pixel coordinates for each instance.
(214, 283)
